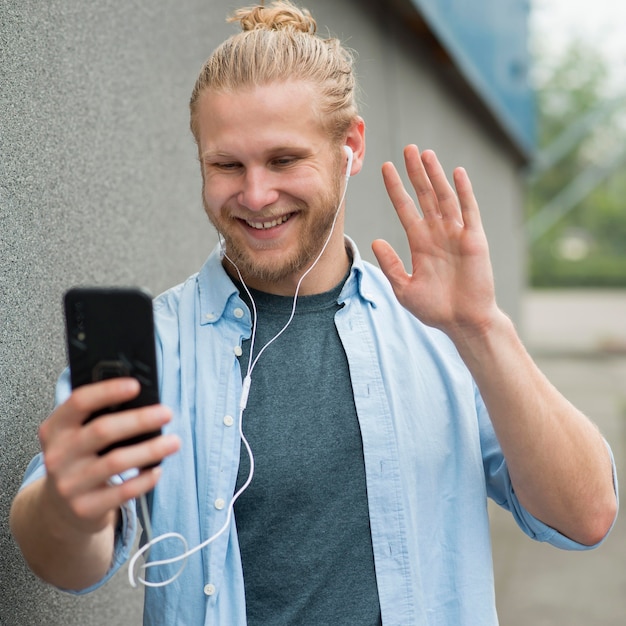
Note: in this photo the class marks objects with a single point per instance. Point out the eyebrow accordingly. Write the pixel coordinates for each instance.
(297, 150)
(209, 154)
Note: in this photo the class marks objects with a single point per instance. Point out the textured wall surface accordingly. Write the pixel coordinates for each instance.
(99, 184)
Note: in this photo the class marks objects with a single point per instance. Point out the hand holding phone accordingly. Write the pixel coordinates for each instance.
(65, 521)
(110, 333)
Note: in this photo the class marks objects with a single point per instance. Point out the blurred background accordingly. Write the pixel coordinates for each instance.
(99, 184)
(574, 305)
(577, 177)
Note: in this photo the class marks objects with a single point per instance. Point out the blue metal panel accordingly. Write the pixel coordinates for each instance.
(488, 41)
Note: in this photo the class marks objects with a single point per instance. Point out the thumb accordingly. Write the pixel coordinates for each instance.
(390, 264)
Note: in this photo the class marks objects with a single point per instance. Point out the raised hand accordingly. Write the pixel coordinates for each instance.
(451, 284)
(556, 458)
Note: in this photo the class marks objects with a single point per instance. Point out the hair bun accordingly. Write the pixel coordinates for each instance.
(280, 15)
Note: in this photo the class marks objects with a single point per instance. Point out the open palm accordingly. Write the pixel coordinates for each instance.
(451, 285)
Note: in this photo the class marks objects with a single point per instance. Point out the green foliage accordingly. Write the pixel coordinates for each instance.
(587, 246)
(595, 271)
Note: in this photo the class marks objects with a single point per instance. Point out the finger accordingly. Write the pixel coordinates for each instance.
(111, 428)
(72, 449)
(88, 399)
(467, 199)
(420, 180)
(140, 455)
(401, 200)
(447, 201)
(82, 403)
(97, 503)
(92, 473)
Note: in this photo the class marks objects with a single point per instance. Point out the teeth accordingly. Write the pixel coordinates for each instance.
(265, 225)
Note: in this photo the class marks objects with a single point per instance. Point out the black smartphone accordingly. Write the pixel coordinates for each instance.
(110, 333)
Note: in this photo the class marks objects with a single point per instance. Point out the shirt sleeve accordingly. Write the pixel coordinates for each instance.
(127, 526)
(500, 489)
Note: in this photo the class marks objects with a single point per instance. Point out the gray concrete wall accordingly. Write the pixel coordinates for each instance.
(99, 184)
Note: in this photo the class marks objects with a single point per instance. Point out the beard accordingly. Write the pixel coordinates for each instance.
(313, 231)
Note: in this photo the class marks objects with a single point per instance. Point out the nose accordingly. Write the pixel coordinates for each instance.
(258, 190)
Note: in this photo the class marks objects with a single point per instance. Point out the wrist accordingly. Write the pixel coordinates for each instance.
(479, 329)
(480, 340)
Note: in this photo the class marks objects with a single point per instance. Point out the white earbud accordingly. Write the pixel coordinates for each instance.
(350, 155)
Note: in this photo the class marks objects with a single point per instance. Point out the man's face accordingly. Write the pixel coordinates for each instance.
(272, 181)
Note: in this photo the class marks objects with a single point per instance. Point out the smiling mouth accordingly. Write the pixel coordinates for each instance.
(270, 224)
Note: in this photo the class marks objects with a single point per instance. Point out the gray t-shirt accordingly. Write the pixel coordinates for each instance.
(303, 523)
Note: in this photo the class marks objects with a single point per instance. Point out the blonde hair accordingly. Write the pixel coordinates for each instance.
(279, 43)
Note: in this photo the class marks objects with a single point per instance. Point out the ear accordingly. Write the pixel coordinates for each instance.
(355, 139)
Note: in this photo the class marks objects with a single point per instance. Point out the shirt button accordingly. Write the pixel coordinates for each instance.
(238, 351)
(238, 313)
(209, 589)
(210, 316)
(219, 504)
(228, 420)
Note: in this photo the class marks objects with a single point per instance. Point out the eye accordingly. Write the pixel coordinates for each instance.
(284, 161)
(223, 167)
(226, 166)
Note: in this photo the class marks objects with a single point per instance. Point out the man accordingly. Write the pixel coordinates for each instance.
(380, 409)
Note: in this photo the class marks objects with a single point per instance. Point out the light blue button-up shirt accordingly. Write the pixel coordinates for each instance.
(431, 457)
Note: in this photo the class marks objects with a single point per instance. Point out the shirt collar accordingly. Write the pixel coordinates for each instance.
(216, 289)
(359, 281)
